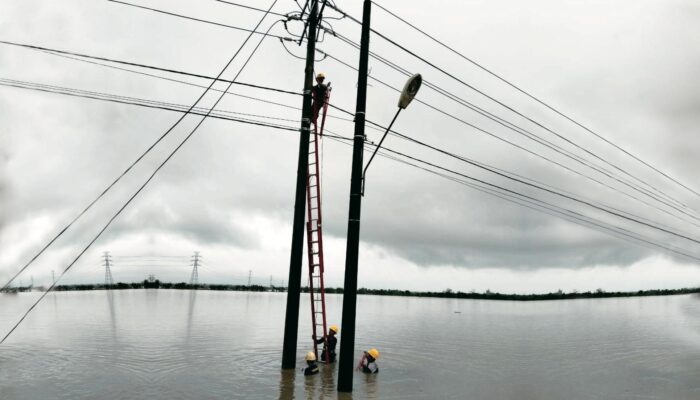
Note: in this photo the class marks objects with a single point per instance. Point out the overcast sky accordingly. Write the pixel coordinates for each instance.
(625, 69)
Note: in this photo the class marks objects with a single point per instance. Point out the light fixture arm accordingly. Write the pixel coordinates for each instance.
(376, 149)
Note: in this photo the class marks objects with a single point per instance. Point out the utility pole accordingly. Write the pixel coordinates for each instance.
(347, 345)
(250, 276)
(194, 278)
(107, 263)
(53, 277)
(291, 321)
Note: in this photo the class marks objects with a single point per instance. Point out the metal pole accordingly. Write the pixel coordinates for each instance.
(291, 321)
(347, 345)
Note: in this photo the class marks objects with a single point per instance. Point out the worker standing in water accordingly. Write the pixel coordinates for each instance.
(319, 94)
(329, 343)
(311, 365)
(368, 363)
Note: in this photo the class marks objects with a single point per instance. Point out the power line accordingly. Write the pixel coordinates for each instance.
(485, 94)
(555, 110)
(252, 31)
(186, 83)
(160, 166)
(250, 8)
(515, 144)
(332, 136)
(144, 103)
(136, 161)
(131, 100)
(506, 123)
(551, 191)
(134, 64)
(474, 162)
(511, 195)
(530, 135)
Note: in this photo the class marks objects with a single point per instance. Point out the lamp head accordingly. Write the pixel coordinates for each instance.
(410, 90)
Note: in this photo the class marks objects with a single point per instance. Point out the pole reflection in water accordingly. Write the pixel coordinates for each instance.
(112, 314)
(371, 386)
(190, 313)
(287, 384)
(320, 386)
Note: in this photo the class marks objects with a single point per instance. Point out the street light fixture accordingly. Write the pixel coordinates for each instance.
(410, 89)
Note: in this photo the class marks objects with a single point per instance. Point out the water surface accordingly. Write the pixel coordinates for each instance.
(177, 344)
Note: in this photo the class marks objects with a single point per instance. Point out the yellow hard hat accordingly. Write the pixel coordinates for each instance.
(334, 328)
(311, 356)
(320, 76)
(374, 353)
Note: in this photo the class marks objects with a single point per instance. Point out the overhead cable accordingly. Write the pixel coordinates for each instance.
(552, 108)
(510, 195)
(482, 130)
(133, 64)
(160, 166)
(527, 133)
(410, 52)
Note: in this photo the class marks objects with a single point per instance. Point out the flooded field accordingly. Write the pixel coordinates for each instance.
(172, 344)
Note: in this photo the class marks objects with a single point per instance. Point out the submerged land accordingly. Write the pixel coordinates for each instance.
(448, 293)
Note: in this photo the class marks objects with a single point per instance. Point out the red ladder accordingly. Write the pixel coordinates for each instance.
(315, 235)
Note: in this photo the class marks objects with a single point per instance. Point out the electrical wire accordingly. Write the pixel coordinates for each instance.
(513, 196)
(149, 104)
(433, 65)
(489, 167)
(645, 192)
(133, 64)
(501, 121)
(482, 130)
(536, 99)
(529, 134)
(172, 14)
(534, 137)
(250, 7)
(186, 83)
(129, 100)
(160, 166)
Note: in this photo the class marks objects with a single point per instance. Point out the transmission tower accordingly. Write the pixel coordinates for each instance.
(107, 263)
(196, 258)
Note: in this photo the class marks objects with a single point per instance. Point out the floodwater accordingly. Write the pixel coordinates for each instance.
(176, 344)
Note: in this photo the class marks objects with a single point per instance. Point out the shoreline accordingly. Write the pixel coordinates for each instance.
(447, 294)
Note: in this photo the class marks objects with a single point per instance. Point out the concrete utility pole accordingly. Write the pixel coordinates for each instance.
(291, 321)
(347, 338)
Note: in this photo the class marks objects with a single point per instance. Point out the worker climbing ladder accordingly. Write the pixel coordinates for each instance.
(314, 236)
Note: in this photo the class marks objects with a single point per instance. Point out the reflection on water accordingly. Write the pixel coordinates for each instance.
(176, 344)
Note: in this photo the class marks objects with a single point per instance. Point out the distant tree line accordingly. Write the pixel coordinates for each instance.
(559, 295)
(447, 293)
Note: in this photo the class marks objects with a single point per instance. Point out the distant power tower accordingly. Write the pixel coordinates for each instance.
(107, 263)
(196, 258)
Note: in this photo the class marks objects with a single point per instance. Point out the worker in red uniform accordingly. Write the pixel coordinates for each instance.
(329, 343)
(319, 95)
